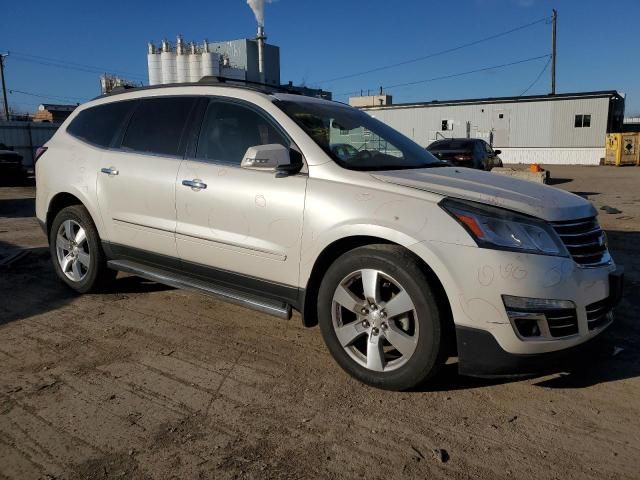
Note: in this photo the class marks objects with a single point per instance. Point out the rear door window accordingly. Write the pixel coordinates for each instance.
(98, 125)
(157, 126)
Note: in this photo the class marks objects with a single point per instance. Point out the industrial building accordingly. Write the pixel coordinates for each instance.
(567, 128)
(247, 59)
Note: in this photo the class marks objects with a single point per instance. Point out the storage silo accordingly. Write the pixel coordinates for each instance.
(182, 62)
(155, 67)
(168, 61)
(209, 61)
(195, 70)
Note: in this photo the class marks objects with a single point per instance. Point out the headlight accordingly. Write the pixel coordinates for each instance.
(502, 229)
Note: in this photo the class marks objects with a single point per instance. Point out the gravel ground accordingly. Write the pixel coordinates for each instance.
(151, 382)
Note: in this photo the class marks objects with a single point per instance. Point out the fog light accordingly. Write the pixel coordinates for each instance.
(533, 318)
(535, 304)
(527, 327)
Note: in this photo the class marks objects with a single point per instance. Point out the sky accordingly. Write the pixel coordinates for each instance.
(321, 41)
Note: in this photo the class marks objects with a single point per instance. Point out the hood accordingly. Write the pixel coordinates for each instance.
(522, 196)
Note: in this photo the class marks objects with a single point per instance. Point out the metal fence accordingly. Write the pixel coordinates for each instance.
(26, 137)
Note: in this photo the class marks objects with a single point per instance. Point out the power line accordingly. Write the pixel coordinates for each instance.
(538, 77)
(435, 54)
(48, 97)
(460, 74)
(64, 64)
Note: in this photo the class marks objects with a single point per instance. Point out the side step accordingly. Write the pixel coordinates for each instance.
(264, 305)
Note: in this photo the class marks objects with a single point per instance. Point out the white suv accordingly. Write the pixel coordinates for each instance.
(278, 201)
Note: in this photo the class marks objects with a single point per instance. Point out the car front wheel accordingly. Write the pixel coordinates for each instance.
(379, 317)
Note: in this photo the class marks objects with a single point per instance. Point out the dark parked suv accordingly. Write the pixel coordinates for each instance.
(10, 161)
(466, 152)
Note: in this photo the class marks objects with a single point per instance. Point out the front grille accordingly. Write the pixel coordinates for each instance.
(584, 240)
(562, 323)
(598, 314)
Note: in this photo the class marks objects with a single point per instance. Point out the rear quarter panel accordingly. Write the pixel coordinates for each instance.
(68, 166)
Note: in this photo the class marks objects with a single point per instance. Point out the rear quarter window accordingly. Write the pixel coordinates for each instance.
(98, 125)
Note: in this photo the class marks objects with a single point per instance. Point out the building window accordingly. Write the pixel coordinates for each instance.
(582, 121)
(344, 133)
(445, 125)
(501, 115)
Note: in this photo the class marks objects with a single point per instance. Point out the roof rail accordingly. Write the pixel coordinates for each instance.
(211, 80)
(122, 88)
(249, 83)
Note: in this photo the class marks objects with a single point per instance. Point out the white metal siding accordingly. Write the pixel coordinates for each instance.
(531, 124)
(553, 156)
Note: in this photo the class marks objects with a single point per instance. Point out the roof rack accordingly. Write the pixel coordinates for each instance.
(122, 88)
(209, 79)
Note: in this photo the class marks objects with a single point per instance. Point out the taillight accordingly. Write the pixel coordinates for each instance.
(39, 152)
(463, 157)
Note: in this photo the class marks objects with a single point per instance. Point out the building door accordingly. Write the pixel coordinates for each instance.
(500, 127)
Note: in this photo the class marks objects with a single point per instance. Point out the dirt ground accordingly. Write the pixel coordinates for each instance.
(151, 382)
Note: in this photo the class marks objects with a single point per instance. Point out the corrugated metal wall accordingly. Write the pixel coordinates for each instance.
(535, 124)
(26, 137)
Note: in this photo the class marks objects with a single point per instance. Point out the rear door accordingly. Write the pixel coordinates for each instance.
(136, 184)
(240, 224)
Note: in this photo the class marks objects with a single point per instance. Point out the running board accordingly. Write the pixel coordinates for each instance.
(264, 305)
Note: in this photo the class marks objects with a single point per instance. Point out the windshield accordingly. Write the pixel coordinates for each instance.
(356, 140)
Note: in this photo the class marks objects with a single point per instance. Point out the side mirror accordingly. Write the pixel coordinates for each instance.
(497, 152)
(272, 158)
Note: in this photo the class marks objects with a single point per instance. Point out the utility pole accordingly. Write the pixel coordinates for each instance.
(4, 87)
(554, 20)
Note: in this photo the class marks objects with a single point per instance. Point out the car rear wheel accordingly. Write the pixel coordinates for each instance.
(379, 318)
(76, 251)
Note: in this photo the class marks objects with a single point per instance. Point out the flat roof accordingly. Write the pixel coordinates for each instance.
(476, 101)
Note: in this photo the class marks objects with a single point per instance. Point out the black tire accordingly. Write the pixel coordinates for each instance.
(430, 352)
(97, 276)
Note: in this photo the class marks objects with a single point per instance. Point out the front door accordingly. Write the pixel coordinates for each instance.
(136, 184)
(234, 222)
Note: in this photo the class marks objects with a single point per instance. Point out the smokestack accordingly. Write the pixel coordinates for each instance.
(179, 45)
(261, 37)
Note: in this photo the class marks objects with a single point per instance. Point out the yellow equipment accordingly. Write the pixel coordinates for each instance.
(622, 149)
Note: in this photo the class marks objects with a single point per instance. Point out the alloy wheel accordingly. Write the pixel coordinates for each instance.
(375, 320)
(72, 249)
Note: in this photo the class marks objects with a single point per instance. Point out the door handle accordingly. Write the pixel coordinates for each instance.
(195, 184)
(111, 171)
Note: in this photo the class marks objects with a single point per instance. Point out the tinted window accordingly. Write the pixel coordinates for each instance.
(229, 130)
(449, 145)
(157, 125)
(99, 124)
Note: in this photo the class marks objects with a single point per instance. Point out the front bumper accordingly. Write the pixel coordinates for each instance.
(479, 353)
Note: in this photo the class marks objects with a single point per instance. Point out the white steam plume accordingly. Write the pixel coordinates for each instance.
(258, 9)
